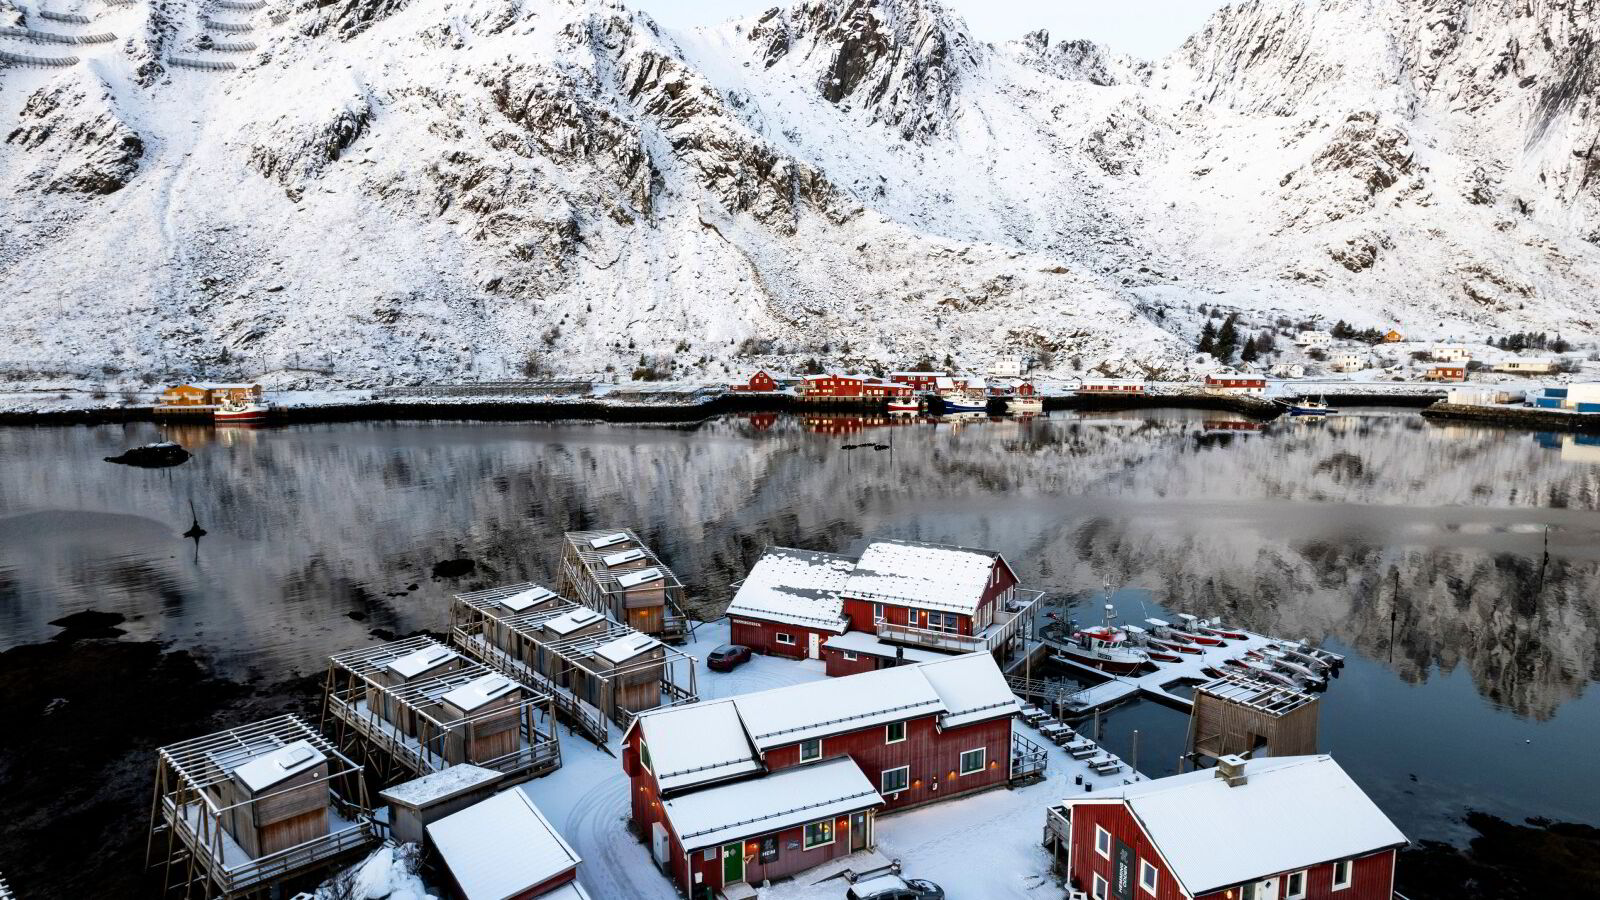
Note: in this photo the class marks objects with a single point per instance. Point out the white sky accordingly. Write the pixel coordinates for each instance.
(1144, 28)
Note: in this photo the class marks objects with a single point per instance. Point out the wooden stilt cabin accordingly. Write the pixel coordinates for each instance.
(1240, 715)
(615, 573)
(243, 809)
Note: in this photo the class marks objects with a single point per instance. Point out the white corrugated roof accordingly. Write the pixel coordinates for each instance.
(568, 622)
(608, 540)
(972, 688)
(790, 797)
(418, 661)
(522, 600)
(696, 743)
(798, 587)
(479, 691)
(1292, 812)
(271, 768)
(626, 647)
(643, 576)
(862, 642)
(926, 576)
(803, 711)
(501, 847)
(626, 556)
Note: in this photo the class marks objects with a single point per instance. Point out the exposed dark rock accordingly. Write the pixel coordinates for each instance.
(454, 568)
(152, 456)
(89, 624)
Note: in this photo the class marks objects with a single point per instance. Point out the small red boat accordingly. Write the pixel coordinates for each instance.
(1213, 627)
(1192, 632)
(1180, 648)
(232, 413)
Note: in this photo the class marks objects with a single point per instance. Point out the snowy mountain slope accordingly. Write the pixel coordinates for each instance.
(428, 189)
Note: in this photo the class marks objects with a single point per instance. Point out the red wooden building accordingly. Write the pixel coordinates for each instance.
(789, 603)
(1112, 386)
(473, 843)
(1446, 373)
(917, 381)
(760, 382)
(1235, 383)
(855, 652)
(768, 784)
(1279, 828)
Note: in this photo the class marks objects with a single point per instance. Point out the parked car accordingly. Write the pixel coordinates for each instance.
(728, 657)
(893, 887)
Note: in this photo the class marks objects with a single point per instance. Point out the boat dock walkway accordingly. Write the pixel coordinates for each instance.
(1153, 681)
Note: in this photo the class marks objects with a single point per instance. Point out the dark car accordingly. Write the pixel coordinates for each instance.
(893, 887)
(728, 657)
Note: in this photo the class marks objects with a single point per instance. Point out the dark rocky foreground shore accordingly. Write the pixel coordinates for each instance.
(1515, 417)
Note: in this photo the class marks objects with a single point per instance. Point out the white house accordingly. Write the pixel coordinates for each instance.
(1450, 353)
(1312, 339)
(1350, 362)
(1530, 366)
(1287, 370)
(1006, 367)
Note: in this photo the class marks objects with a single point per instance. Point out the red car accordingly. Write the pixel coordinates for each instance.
(728, 657)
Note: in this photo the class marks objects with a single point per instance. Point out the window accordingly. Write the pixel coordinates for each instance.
(1102, 842)
(972, 760)
(1294, 885)
(1147, 876)
(848, 656)
(819, 834)
(893, 781)
(811, 749)
(877, 612)
(1341, 874)
(950, 623)
(1099, 892)
(644, 757)
(711, 854)
(894, 732)
(782, 638)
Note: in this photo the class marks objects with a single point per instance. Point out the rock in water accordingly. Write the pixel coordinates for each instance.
(153, 456)
(454, 568)
(88, 624)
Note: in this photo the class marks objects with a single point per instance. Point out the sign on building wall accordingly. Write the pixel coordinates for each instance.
(1122, 875)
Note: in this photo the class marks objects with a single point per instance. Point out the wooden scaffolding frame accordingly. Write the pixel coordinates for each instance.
(585, 694)
(427, 743)
(1237, 707)
(189, 841)
(586, 578)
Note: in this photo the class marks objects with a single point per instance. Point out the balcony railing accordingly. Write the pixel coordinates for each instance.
(1028, 760)
(927, 637)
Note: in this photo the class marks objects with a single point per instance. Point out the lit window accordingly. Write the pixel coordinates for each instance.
(1341, 874)
(782, 638)
(894, 732)
(1294, 885)
(819, 834)
(811, 749)
(1147, 876)
(1102, 842)
(973, 760)
(849, 657)
(1099, 887)
(893, 781)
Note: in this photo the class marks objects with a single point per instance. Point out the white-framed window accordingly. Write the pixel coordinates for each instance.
(973, 761)
(783, 638)
(1343, 874)
(1147, 876)
(1294, 885)
(811, 749)
(819, 834)
(877, 613)
(1100, 887)
(644, 756)
(849, 657)
(711, 854)
(894, 732)
(1102, 842)
(893, 781)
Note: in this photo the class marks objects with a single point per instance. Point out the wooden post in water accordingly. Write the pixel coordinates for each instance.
(1136, 752)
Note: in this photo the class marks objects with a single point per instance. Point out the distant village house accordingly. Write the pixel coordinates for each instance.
(1249, 385)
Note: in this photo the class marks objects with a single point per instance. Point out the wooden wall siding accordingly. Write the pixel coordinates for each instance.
(836, 665)
(293, 831)
(762, 637)
(790, 859)
(1218, 727)
(860, 611)
(1372, 878)
(931, 754)
(290, 811)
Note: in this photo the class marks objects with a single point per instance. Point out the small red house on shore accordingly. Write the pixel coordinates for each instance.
(1279, 828)
(759, 383)
(1235, 383)
(789, 603)
(772, 783)
(917, 381)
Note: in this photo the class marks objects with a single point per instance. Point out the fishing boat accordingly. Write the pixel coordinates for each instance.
(1289, 650)
(1262, 670)
(905, 405)
(1152, 648)
(1191, 631)
(961, 395)
(1105, 647)
(1215, 628)
(1334, 660)
(1303, 407)
(242, 412)
(1024, 405)
(1303, 673)
(1171, 637)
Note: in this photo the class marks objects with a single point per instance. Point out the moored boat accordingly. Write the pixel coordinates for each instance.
(1216, 628)
(1303, 407)
(1105, 647)
(1152, 648)
(1024, 405)
(912, 405)
(236, 412)
(1191, 631)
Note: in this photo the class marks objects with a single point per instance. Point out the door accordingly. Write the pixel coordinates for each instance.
(815, 651)
(858, 831)
(660, 847)
(732, 863)
(1269, 890)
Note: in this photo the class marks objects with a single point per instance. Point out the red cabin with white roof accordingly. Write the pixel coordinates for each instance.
(789, 603)
(898, 585)
(1276, 828)
(1112, 386)
(917, 381)
(765, 785)
(1235, 383)
(833, 386)
(759, 383)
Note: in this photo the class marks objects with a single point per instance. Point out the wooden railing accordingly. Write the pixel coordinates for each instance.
(1028, 760)
(585, 716)
(927, 637)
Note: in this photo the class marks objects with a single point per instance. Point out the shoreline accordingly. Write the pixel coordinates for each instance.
(1515, 417)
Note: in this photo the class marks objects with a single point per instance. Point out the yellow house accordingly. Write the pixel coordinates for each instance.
(208, 394)
(1393, 337)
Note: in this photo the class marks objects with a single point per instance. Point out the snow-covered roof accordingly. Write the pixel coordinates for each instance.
(797, 587)
(501, 847)
(441, 785)
(626, 647)
(917, 374)
(971, 687)
(279, 765)
(479, 691)
(926, 576)
(816, 708)
(790, 797)
(626, 556)
(572, 620)
(418, 661)
(608, 540)
(643, 576)
(523, 599)
(697, 743)
(862, 642)
(219, 385)
(1291, 812)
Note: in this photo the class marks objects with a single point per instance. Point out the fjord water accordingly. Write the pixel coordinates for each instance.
(1418, 550)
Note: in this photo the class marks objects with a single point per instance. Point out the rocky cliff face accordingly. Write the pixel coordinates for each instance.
(360, 192)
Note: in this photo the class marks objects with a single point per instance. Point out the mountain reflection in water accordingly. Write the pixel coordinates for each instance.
(1419, 549)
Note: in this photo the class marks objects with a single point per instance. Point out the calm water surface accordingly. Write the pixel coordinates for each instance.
(1469, 686)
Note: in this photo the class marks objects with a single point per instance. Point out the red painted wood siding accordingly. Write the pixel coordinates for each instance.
(789, 861)
(860, 611)
(759, 382)
(762, 637)
(916, 382)
(833, 386)
(1372, 878)
(837, 666)
(931, 754)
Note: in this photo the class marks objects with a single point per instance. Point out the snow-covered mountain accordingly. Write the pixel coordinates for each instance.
(374, 190)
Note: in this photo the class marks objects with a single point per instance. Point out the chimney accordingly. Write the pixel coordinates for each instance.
(1230, 768)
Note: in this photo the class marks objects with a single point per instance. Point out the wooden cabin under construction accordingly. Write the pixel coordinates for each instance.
(461, 714)
(598, 669)
(238, 812)
(615, 573)
(1239, 715)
